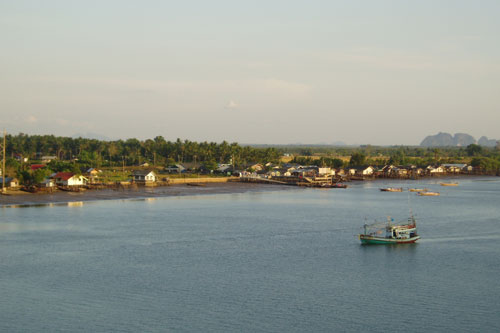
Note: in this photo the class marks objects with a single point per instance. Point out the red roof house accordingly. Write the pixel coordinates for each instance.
(69, 179)
(37, 166)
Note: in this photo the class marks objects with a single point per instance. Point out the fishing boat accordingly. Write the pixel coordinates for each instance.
(389, 233)
(418, 190)
(448, 184)
(430, 194)
(392, 189)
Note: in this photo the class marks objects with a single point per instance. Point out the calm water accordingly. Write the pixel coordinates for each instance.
(284, 261)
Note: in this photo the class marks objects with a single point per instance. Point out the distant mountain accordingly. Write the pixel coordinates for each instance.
(438, 140)
(484, 141)
(458, 140)
(463, 140)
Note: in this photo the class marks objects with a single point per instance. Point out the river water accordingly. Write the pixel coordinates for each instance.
(276, 261)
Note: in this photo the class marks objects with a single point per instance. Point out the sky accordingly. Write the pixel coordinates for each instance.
(269, 72)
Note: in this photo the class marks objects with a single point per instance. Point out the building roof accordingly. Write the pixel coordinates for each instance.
(175, 166)
(142, 172)
(456, 165)
(361, 168)
(63, 175)
(34, 167)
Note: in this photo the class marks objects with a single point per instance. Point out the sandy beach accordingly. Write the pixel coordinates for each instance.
(29, 199)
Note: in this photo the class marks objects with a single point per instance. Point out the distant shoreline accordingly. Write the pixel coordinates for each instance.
(25, 199)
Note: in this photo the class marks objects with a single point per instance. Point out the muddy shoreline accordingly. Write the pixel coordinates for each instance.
(32, 199)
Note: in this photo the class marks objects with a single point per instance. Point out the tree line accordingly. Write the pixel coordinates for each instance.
(74, 154)
(485, 158)
(157, 151)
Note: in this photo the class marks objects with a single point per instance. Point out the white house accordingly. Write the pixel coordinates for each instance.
(368, 171)
(47, 182)
(432, 170)
(468, 168)
(326, 171)
(69, 179)
(10, 182)
(144, 176)
(224, 168)
(454, 168)
(48, 159)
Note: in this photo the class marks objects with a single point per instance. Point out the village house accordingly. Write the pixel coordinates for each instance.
(93, 174)
(468, 169)
(175, 168)
(387, 170)
(144, 176)
(35, 167)
(340, 172)
(69, 179)
(224, 169)
(304, 172)
(255, 167)
(10, 182)
(48, 159)
(368, 171)
(453, 168)
(47, 183)
(400, 171)
(431, 170)
(278, 172)
(20, 158)
(418, 171)
(326, 171)
(361, 171)
(288, 168)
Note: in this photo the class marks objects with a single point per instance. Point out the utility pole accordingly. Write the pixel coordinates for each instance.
(3, 164)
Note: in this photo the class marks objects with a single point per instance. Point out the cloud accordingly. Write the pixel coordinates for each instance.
(232, 105)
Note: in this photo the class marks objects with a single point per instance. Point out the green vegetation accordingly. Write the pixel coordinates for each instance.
(487, 158)
(94, 153)
(116, 158)
(79, 154)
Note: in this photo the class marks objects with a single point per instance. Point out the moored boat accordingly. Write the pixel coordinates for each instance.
(448, 184)
(433, 194)
(418, 190)
(392, 189)
(389, 233)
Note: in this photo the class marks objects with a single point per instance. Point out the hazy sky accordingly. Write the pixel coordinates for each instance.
(379, 72)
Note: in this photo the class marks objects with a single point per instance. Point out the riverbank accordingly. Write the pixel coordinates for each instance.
(29, 199)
